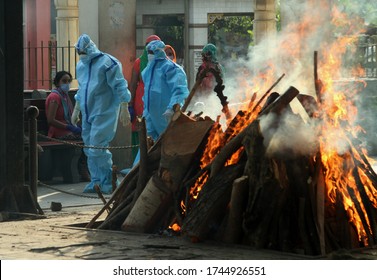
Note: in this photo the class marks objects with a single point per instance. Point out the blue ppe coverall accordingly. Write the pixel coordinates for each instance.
(165, 84)
(102, 87)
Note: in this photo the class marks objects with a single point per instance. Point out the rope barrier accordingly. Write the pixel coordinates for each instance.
(84, 146)
(70, 193)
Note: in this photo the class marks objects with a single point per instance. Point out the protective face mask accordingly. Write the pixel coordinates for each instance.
(150, 57)
(65, 87)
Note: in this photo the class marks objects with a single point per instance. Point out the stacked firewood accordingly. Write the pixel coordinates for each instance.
(276, 200)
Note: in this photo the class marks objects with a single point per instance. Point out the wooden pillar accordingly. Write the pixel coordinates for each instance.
(264, 20)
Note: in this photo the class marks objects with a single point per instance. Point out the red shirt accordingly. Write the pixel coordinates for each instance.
(209, 82)
(52, 130)
(138, 102)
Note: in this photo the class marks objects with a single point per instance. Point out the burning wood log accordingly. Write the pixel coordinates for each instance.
(283, 182)
(233, 145)
(369, 210)
(318, 85)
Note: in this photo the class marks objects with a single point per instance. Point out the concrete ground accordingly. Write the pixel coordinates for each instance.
(61, 235)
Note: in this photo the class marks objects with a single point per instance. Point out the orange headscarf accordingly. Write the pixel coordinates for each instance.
(152, 38)
(168, 47)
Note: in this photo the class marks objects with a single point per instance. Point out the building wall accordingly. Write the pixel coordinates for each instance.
(88, 19)
(93, 18)
(198, 22)
(37, 29)
(111, 26)
(148, 7)
(67, 32)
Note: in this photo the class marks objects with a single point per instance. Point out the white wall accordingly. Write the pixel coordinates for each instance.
(198, 32)
(154, 7)
(88, 19)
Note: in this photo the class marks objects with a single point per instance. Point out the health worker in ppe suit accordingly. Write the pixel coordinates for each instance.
(165, 85)
(103, 92)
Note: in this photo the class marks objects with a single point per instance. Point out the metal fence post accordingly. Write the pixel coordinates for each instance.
(33, 112)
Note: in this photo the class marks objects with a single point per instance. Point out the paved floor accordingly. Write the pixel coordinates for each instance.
(61, 235)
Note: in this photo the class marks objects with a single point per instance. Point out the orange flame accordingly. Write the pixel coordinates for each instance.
(337, 155)
(175, 227)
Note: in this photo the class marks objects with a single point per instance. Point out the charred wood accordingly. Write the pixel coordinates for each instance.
(299, 176)
(309, 103)
(345, 232)
(233, 145)
(208, 211)
(317, 198)
(318, 85)
(233, 232)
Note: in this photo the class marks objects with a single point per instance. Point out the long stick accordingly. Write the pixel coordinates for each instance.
(267, 92)
(317, 82)
(100, 195)
(194, 89)
(142, 178)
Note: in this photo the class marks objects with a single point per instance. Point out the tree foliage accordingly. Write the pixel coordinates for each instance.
(363, 8)
(232, 34)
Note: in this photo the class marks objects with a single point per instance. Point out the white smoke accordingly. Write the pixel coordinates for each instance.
(308, 27)
(288, 136)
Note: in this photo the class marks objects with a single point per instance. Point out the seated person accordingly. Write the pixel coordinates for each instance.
(59, 111)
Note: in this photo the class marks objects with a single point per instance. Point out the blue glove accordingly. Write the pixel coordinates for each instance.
(131, 110)
(74, 129)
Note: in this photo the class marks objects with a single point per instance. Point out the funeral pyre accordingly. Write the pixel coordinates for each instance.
(270, 175)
